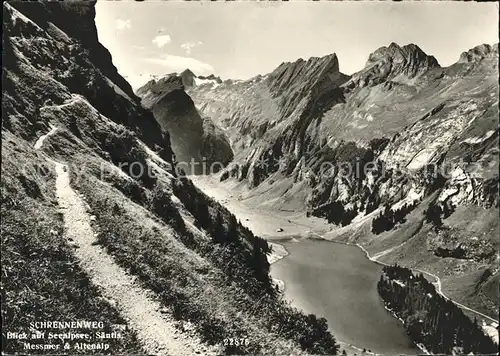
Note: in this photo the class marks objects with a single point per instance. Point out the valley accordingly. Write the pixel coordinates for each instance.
(338, 282)
(323, 275)
(197, 215)
(326, 278)
(285, 126)
(87, 237)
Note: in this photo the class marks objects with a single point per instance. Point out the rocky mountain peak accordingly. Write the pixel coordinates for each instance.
(191, 135)
(478, 53)
(408, 54)
(300, 80)
(189, 72)
(295, 79)
(59, 17)
(394, 62)
(161, 87)
(314, 64)
(188, 78)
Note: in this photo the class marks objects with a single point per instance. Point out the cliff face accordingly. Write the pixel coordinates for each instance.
(193, 137)
(408, 132)
(393, 63)
(81, 158)
(402, 109)
(51, 64)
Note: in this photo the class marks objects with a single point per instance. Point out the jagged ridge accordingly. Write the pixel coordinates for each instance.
(402, 111)
(205, 269)
(193, 137)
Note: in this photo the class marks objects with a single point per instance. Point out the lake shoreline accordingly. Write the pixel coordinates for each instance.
(348, 347)
(266, 224)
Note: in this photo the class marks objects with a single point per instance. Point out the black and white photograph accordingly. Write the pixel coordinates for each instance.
(247, 177)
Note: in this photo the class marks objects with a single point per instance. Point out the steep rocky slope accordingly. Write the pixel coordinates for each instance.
(88, 172)
(193, 137)
(402, 132)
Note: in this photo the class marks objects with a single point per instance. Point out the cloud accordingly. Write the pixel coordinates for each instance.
(121, 25)
(179, 63)
(188, 46)
(162, 40)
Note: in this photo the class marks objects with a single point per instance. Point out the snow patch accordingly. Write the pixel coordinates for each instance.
(211, 82)
(421, 159)
(476, 140)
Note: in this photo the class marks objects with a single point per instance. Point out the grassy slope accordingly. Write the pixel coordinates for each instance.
(41, 279)
(210, 287)
(202, 284)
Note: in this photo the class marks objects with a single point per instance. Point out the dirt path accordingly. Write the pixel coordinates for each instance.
(41, 139)
(157, 333)
(439, 290)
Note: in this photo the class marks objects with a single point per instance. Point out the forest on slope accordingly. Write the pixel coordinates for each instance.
(208, 272)
(431, 320)
(372, 151)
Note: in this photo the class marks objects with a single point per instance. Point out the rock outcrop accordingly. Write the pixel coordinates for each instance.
(400, 132)
(393, 63)
(78, 64)
(402, 110)
(478, 53)
(76, 138)
(194, 139)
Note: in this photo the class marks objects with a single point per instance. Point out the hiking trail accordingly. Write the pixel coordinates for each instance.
(156, 331)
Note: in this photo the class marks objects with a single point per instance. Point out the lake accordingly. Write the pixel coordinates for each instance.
(338, 282)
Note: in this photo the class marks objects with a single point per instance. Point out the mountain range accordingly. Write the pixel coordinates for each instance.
(422, 136)
(85, 236)
(97, 224)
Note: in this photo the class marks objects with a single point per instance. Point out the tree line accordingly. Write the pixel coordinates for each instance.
(242, 256)
(435, 213)
(430, 319)
(245, 250)
(389, 218)
(237, 252)
(336, 213)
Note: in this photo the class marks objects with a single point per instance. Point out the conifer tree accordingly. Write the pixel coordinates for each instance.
(218, 232)
(201, 213)
(232, 230)
(429, 318)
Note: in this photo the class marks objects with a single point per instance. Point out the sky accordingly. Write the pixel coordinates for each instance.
(239, 40)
